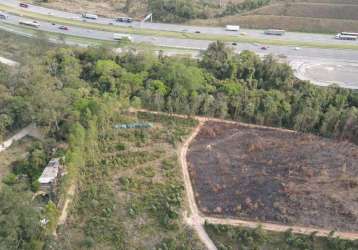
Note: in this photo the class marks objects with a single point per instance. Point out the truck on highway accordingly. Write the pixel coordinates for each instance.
(349, 34)
(342, 36)
(34, 24)
(232, 27)
(119, 37)
(275, 32)
(89, 16)
(3, 16)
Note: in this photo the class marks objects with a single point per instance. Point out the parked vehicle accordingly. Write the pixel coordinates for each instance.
(34, 24)
(124, 20)
(275, 32)
(89, 16)
(232, 28)
(24, 5)
(118, 36)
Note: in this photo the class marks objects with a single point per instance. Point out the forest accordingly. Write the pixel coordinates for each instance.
(71, 92)
(222, 84)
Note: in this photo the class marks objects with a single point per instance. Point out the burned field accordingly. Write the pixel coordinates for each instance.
(272, 175)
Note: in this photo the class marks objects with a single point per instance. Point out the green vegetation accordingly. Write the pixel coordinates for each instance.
(129, 187)
(230, 238)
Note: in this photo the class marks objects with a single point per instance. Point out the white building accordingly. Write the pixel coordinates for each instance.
(48, 178)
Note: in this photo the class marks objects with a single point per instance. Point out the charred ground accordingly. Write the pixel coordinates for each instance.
(274, 175)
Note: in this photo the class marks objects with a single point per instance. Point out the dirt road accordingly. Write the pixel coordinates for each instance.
(197, 220)
(29, 130)
(193, 219)
(69, 198)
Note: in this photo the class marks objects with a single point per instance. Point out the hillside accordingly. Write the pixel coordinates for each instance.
(163, 10)
(327, 16)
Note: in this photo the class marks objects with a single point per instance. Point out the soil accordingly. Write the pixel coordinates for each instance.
(272, 175)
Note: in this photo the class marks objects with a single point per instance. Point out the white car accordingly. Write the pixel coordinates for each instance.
(297, 48)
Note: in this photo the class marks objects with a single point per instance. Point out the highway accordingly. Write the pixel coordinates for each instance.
(294, 56)
(289, 36)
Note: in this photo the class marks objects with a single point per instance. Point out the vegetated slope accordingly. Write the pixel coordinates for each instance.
(310, 16)
(277, 176)
(10, 156)
(131, 192)
(163, 10)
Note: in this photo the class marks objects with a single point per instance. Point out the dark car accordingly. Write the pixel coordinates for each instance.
(24, 5)
(63, 28)
(197, 32)
(234, 43)
(124, 20)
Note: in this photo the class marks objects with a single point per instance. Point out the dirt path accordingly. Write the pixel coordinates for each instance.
(31, 130)
(193, 219)
(69, 198)
(196, 219)
(7, 61)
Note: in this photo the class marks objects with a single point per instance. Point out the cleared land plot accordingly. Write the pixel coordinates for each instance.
(276, 176)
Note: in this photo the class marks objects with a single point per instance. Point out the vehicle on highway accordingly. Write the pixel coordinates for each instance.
(274, 32)
(34, 24)
(197, 32)
(3, 16)
(234, 43)
(349, 34)
(63, 27)
(340, 36)
(232, 27)
(89, 16)
(119, 37)
(264, 47)
(23, 5)
(297, 48)
(124, 19)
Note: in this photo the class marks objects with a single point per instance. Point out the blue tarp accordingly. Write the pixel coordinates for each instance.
(133, 125)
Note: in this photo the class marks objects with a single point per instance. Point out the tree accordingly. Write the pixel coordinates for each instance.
(19, 221)
(218, 60)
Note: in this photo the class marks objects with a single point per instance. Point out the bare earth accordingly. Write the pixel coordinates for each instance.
(269, 175)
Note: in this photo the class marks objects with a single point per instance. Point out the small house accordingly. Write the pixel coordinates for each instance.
(49, 177)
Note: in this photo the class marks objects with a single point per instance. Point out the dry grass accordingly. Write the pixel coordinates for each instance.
(323, 16)
(302, 24)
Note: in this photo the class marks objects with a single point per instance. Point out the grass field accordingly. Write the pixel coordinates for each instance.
(321, 16)
(239, 238)
(132, 197)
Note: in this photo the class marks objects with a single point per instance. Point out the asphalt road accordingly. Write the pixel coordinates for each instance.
(311, 56)
(290, 36)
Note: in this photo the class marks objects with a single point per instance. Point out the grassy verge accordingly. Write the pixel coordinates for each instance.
(229, 238)
(180, 35)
